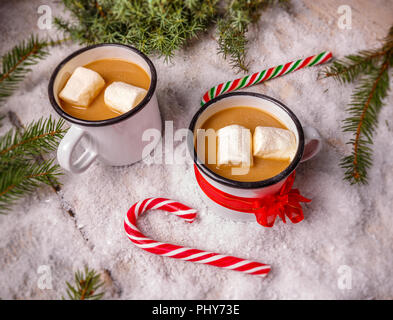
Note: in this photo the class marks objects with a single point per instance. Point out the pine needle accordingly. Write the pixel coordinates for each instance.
(86, 286)
(371, 69)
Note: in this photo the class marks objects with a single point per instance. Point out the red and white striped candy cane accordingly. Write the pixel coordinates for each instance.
(179, 252)
(265, 75)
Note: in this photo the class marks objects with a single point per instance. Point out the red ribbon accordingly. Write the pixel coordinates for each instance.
(286, 202)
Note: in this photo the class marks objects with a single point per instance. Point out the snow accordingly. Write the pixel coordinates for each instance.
(344, 225)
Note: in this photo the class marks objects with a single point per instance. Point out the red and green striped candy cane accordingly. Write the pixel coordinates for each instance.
(265, 75)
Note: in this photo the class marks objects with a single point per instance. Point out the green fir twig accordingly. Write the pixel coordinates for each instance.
(155, 26)
(352, 66)
(163, 26)
(233, 27)
(85, 286)
(17, 62)
(16, 181)
(39, 137)
(372, 69)
(22, 164)
(20, 170)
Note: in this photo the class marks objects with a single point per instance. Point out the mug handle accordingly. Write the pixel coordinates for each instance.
(312, 143)
(66, 148)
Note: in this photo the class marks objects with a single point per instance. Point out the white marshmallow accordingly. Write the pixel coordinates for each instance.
(234, 146)
(274, 143)
(82, 87)
(122, 96)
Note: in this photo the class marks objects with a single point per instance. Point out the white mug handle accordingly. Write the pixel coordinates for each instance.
(312, 143)
(66, 148)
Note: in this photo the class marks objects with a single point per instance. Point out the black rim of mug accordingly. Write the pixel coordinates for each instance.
(98, 123)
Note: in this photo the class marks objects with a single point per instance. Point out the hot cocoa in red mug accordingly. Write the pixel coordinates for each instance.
(221, 190)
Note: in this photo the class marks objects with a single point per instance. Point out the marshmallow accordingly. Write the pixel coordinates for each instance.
(82, 87)
(234, 146)
(122, 96)
(274, 143)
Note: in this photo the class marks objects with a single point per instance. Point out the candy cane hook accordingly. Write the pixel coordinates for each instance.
(179, 252)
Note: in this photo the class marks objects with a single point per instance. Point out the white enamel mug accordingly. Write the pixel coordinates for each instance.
(308, 141)
(117, 141)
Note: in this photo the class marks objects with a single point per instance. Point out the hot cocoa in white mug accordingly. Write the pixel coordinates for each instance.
(107, 93)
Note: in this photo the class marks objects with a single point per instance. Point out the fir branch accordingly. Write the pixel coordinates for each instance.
(372, 67)
(17, 180)
(22, 167)
(16, 63)
(232, 43)
(155, 26)
(38, 138)
(364, 109)
(163, 26)
(233, 27)
(352, 66)
(86, 286)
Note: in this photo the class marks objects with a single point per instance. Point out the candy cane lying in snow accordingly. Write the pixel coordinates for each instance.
(179, 252)
(265, 75)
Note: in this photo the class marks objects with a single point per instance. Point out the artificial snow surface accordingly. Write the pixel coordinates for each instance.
(344, 225)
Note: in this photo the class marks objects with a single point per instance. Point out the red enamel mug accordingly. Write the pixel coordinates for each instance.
(308, 140)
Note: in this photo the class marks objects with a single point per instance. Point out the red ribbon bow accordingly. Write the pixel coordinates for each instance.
(284, 203)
